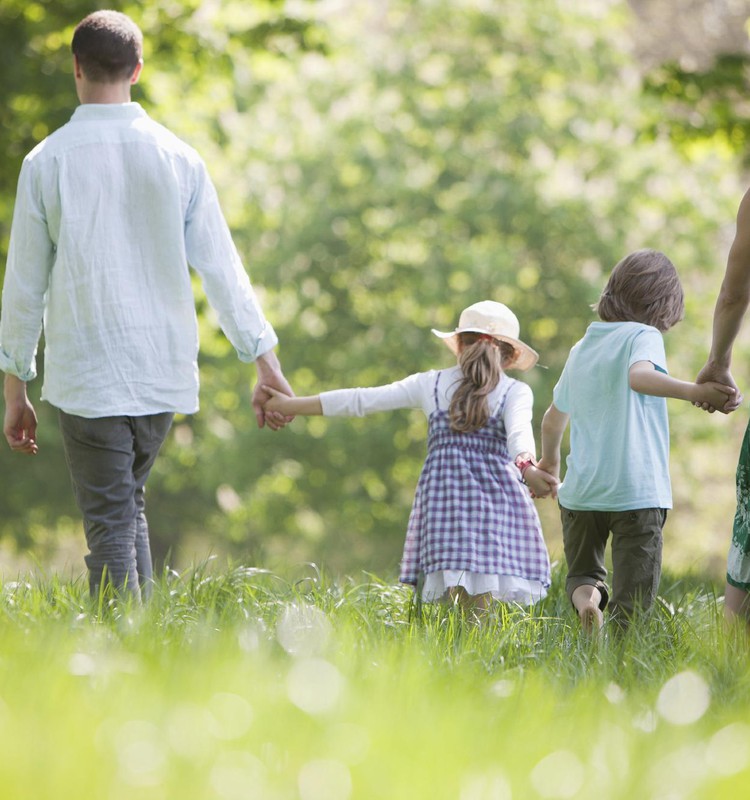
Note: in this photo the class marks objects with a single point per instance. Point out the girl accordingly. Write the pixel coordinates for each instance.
(473, 531)
(613, 389)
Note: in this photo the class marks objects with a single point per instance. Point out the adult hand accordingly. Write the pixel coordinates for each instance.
(269, 374)
(20, 421)
(715, 373)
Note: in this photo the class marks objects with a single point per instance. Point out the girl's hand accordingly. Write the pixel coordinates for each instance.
(278, 402)
(540, 483)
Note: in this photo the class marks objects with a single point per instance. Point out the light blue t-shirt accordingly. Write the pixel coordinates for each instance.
(619, 438)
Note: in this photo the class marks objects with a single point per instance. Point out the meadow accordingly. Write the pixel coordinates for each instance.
(238, 683)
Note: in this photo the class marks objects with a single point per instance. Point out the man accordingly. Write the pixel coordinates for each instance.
(729, 312)
(110, 210)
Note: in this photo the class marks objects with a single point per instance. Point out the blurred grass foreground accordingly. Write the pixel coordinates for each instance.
(244, 685)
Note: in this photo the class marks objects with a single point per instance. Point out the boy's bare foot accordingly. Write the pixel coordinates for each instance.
(587, 599)
(592, 618)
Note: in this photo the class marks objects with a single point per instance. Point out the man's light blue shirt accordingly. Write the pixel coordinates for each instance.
(619, 438)
(110, 211)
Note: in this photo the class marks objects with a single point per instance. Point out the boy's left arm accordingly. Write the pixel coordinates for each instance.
(554, 424)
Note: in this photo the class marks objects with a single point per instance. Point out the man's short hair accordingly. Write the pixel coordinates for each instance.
(108, 45)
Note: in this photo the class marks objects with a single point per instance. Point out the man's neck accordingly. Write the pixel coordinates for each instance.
(89, 92)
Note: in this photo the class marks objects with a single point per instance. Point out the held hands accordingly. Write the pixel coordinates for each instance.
(547, 471)
(540, 482)
(270, 377)
(278, 402)
(716, 390)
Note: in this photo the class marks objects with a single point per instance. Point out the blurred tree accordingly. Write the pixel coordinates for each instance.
(383, 165)
(695, 58)
(438, 155)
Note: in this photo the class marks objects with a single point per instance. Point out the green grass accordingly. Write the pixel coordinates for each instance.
(238, 684)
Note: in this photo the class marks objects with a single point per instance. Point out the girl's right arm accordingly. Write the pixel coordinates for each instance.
(292, 406)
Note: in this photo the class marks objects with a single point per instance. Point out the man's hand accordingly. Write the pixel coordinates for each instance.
(19, 426)
(269, 374)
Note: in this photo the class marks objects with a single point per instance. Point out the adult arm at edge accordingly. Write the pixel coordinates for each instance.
(731, 306)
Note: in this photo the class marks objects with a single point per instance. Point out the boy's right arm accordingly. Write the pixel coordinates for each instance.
(646, 379)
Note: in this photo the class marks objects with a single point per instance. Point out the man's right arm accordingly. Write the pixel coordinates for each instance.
(30, 258)
(19, 425)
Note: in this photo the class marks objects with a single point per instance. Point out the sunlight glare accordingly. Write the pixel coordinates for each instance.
(560, 774)
(303, 630)
(489, 786)
(729, 749)
(684, 698)
(314, 685)
(324, 779)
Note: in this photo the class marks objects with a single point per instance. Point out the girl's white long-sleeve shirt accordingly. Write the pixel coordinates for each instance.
(418, 391)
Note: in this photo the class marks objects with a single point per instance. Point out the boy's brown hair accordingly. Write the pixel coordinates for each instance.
(108, 45)
(643, 287)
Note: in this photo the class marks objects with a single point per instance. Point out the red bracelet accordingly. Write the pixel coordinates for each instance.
(523, 464)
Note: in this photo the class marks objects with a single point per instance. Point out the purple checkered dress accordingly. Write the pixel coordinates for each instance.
(471, 512)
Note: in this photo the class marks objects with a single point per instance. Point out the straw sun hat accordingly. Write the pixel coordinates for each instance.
(498, 321)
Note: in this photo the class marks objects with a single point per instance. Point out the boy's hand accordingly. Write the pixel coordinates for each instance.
(540, 483)
(712, 396)
(550, 467)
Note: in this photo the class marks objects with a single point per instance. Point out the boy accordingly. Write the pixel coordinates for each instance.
(612, 390)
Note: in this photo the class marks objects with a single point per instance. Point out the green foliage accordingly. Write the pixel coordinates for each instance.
(248, 684)
(381, 169)
(704, 106)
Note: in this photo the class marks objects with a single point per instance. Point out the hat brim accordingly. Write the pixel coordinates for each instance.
(526, 357)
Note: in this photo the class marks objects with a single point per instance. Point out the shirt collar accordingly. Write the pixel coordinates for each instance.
(107, 111)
